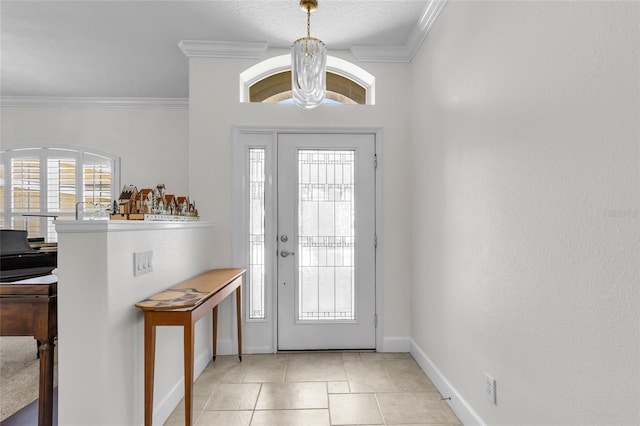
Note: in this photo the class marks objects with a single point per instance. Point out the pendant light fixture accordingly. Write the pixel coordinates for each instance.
(308, 65)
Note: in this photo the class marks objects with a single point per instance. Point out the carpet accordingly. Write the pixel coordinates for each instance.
(19, 373)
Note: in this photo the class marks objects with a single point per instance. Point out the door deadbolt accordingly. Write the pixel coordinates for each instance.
(284, 238)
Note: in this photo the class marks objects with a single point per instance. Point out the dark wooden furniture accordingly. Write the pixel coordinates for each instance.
(29, 308)
(183, 305)
(19, 260)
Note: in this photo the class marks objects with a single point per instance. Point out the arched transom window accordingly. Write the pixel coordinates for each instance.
(270, 81)
(277, 88)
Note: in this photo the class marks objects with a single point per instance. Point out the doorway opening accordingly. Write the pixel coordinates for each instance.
(305, 228)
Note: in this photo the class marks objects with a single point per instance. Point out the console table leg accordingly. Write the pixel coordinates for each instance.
(239, 319)
(45, 403)
(188, 371)
(214, 316)
(149, 366)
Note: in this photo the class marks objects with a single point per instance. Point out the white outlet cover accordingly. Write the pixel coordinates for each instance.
(490, 384)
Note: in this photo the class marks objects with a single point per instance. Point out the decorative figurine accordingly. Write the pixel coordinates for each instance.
(152, 204)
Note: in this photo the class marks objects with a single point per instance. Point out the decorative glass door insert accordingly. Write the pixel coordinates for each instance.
(326, 235)
(257, 266)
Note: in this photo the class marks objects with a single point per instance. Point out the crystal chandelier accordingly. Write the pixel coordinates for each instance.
(308, 65)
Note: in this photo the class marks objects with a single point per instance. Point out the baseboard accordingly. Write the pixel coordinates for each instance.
(258, 350)
(458, 404)
(169, 403)
(396, 344)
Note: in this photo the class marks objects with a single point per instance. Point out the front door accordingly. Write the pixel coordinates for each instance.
(326, 241)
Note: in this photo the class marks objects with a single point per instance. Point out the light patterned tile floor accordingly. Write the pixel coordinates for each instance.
(316, 389)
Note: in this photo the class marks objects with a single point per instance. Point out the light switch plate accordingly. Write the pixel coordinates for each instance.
(142, 262)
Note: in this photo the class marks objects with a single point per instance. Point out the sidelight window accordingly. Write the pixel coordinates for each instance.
(257, 262)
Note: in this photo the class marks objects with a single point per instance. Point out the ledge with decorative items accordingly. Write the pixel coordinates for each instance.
(152, 204)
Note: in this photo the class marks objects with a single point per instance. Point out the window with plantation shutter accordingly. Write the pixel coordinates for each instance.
(40, 185)
(24, 193)
(61, 185)
(97, 181)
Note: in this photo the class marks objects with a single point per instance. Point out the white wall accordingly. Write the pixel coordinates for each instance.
(525, 140)
(151, 142)
(101, 332)
(215, 108)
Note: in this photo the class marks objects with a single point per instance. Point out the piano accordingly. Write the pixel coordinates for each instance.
(19, 260)
(29, 304)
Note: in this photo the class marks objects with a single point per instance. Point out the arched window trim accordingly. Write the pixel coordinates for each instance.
(281, 63)
(43, 152)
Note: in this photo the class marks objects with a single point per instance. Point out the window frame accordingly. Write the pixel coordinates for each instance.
(241, 184)
(43, 153)
(281, 63)
(277, 88)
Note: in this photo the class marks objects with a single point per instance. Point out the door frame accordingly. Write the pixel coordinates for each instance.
(245, 137)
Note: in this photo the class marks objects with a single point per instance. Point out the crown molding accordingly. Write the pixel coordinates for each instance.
(406, 52)
(86, 102)
(222, 49)
(420, 31)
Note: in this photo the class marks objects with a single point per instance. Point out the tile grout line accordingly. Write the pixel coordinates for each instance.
(326, 388)
(286, 367)
(384, 420)
(255, 404)
(329, 405)
(203, 410)
(346, 373)
(206, 404)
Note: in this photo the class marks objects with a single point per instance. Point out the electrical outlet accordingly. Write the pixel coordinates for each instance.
(490, 384)
(142, 262)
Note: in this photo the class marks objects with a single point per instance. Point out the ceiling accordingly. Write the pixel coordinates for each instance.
(130, 48)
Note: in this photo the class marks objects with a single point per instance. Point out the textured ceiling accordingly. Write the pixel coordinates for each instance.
(130, 48)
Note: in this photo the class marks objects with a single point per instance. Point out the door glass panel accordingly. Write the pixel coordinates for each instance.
(257, 272)
(326, 235)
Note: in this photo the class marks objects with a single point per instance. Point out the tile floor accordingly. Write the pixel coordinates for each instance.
(316, 389)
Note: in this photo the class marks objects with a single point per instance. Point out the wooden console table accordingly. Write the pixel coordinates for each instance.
(183, 305)
(29, 308)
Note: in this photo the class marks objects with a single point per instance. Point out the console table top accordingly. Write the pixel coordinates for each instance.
(191, 292)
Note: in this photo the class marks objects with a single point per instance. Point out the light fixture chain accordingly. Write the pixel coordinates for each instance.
(308, 21)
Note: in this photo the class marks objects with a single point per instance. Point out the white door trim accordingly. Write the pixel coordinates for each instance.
(270, 133)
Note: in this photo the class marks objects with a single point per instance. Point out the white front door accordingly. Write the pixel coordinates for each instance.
(325, 241)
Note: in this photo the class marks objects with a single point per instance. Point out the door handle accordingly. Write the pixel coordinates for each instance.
(285, 253)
